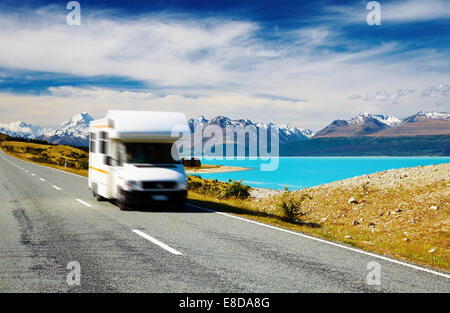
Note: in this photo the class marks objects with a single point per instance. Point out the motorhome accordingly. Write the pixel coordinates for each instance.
(133, 161)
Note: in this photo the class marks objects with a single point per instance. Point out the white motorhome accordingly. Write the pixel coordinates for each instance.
(132, 159)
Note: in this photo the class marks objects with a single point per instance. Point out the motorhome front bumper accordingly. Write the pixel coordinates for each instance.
(147, 197)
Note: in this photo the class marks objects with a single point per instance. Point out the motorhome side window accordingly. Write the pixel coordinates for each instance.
(92, 143)
(103, 142)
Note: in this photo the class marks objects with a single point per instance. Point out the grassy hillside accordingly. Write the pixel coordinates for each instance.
(438, 145)
(76, 160)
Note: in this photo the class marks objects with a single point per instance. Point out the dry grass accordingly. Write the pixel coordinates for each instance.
(49, 155)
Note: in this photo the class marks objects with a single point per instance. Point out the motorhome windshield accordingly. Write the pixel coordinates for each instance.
(149, 153)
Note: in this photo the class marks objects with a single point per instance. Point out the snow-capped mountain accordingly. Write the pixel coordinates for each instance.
(428, 115)
(421, 123)
(361, 125)
(390, 121)
(22, 130)
(288, 133)
(72, 132)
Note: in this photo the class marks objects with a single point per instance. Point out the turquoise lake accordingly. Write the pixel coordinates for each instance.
(301, 172)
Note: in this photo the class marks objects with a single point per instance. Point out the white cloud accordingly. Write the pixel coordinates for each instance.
(392, 12)
(383, 95)
(441, 90)
(208, 66)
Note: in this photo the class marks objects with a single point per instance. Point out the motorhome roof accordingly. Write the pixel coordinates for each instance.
(145, 125)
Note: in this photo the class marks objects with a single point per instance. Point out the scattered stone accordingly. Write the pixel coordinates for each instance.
(323, 219)
(371, 224)
(398, 210)
(352, 200)
(433, 207)
(405, 239)
(355, 222)
(432, 250)
(348, 236)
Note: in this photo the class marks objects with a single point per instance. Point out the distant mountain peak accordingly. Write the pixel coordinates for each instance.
(287, 132)
(390, 121)
(383, 125)
(75, 131)
(80, 118)
(22, 129)
(434, 115)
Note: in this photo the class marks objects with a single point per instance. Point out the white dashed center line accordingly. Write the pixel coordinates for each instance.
(56, 187)
(85, 203)
(42, 179)
(156, 242)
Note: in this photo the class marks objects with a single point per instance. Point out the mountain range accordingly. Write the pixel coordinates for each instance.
(75, 130)
(365, 124)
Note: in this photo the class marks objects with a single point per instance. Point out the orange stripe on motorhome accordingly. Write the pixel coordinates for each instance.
(97, 169)
(101, 126)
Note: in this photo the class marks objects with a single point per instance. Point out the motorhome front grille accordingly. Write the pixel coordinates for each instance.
(158, 185)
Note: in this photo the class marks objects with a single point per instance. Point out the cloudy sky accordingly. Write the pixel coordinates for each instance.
(302, 63)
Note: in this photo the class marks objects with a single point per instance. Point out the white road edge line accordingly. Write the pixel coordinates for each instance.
(325, 241)
(156, 242)
(85, 203)
(56, 187)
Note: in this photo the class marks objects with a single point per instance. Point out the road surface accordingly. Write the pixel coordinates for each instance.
(49, 218)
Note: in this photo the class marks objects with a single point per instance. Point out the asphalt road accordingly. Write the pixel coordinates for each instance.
(49, 218)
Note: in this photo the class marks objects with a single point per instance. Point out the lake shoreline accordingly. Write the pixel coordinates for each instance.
(219, 169)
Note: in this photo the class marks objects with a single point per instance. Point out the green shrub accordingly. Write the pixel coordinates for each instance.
(84, 165)
(39, 159)
(235, 190)
(291, 204)
(218, 189)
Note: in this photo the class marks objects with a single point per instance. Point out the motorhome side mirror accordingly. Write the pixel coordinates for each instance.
(107, 160)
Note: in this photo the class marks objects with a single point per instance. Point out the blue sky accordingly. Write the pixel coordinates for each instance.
(303, 63)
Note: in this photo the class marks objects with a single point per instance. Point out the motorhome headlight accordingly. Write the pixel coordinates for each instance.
(182, 185)
(131, 185)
